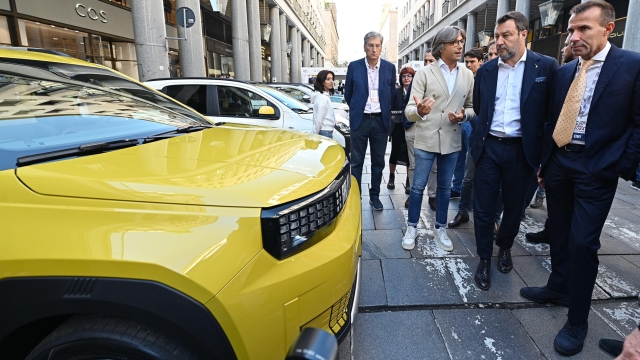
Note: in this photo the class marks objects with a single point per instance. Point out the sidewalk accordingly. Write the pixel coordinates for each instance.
(424, 304)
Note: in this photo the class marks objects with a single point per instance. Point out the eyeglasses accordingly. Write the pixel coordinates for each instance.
(457, 43)
(407, 76)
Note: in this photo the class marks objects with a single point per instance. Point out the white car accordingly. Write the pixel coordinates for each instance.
(234, 101)
(303, 93)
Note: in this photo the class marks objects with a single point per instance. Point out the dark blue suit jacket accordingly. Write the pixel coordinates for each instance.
(356, 90)
(538, 71)
(612, 137)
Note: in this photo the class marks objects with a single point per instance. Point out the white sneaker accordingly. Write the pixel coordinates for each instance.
(442, 239)
(409, 239)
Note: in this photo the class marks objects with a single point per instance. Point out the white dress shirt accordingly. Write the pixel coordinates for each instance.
(449, 75)
(593, 73)
(506, 116)
(373, 75)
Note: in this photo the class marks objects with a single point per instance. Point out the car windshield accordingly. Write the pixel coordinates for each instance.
(287, 100)
(40, 115)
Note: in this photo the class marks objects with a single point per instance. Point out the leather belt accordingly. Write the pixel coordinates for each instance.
(506, 140)
(373, 114)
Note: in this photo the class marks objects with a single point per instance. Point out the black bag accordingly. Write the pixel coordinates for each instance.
(397, 116)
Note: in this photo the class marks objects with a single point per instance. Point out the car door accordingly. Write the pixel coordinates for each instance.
(239, 105)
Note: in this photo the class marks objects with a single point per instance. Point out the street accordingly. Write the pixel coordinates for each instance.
(424, 304)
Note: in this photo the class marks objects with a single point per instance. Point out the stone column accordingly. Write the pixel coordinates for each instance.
(524, 6)
(632, 29)
(471, 32)
(306, 53)
(274, 42)
(255, 52)
(151, 39)
(462, 24)
(503, 8)
(299, 43)
(283, 48)
(192, 49)
(295, 55)
(240, 39)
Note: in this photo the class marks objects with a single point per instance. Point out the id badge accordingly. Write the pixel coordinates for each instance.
(373, 95)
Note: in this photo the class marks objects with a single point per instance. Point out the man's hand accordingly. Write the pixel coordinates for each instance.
(631, 347)
(540, 180)
(456, 118)
(424, 106)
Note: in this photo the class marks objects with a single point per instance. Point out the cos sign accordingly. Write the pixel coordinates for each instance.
(91, 13)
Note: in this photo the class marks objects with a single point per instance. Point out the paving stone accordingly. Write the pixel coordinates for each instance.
(426, 246)
(389, 219)
(531, 225)
(485, 334)
(612, 246)
(623, 317)
(618, 277)
(365, 179)
(418, 282)
(621, 204)
(543, 324)
(344, 350)
(624, 227)
(367, 220)
(634, 259)
(384, 199)
(452, 214)
(397, 335)
(468, 238)
(505, 288)
(383, 244)
(632, 199)
(535, 270)
(372, 290)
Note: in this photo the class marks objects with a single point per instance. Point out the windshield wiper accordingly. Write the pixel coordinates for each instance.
(82, 150)
(178, 131)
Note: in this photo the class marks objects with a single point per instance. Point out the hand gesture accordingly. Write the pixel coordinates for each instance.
(456, 118)
(424, 106)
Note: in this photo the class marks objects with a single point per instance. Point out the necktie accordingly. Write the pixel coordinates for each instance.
(563, 132)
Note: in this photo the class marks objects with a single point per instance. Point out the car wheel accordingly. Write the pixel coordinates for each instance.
(108, 338)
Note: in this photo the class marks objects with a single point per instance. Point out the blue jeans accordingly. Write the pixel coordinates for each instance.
(458, 172)
(373, 132)
(424, 161)
(326, 133)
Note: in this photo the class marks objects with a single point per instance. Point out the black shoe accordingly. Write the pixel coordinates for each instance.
(545, 295)
(407, 187)
(635, 185)
(483, 274)
(459, 219)
(537, 202)
(406, 203)
(432, 203)
(570, 339)
(454, 194)
(541, 237)
(392, 179)
(505, 264)
(611, 346)
(376, 204)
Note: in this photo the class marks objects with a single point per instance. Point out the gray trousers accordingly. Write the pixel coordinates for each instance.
(432, 183)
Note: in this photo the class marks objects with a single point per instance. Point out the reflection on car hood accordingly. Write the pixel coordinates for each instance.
(225, 166)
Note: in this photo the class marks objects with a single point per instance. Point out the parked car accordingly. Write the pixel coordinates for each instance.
(133, 227)
(303, 93)
(240, 102)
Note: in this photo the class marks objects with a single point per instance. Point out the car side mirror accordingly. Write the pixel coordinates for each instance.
(306, 98)
(266, 110)
(313, 344)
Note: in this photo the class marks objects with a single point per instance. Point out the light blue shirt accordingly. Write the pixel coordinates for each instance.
(450, 76)
(506, 116)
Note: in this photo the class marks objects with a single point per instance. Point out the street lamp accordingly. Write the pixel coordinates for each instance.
(549, 12)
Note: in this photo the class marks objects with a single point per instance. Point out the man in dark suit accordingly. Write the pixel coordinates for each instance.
(510, 98)
(368, 91)
(592, 137)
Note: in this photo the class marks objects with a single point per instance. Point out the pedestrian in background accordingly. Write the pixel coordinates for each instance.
(592, 139)
(324, 119)
(368, 91)
(399, 153)
(510, 99)
(441, 98)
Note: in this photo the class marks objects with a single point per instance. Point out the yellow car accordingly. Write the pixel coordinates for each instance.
(133, 228)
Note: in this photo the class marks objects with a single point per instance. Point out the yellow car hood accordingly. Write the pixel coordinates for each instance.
(223, 166)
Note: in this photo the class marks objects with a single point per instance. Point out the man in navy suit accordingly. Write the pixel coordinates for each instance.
(368, 90)
(592, 137)
(509, 98)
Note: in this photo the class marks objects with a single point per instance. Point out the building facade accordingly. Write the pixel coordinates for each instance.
(389, 30)
(331, 34)
(420, 20)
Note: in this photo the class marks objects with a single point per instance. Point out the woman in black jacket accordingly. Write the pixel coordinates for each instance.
(399, 155)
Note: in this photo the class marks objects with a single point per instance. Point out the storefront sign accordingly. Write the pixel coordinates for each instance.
(92, 13)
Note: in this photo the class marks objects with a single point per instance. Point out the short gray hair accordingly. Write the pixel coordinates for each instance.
(372, 35)
(427, 51)
(445, 35)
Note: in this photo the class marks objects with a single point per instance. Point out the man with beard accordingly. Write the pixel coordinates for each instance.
(510, 99)
(591, 139)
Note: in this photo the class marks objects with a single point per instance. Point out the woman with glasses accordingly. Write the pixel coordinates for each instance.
(399, 155)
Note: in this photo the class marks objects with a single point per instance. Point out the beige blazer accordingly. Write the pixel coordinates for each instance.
(436, 133)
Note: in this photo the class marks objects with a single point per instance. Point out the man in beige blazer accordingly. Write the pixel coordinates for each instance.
(441, 98)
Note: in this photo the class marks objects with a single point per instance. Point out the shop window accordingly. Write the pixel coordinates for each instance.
(71, 42)
(125, 58)
(4, 31)
(170, 11)
(191, 95)
(125, 3)
(238, 102)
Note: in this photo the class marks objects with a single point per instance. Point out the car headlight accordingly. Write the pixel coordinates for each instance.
(342, 127)
(289, 229)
